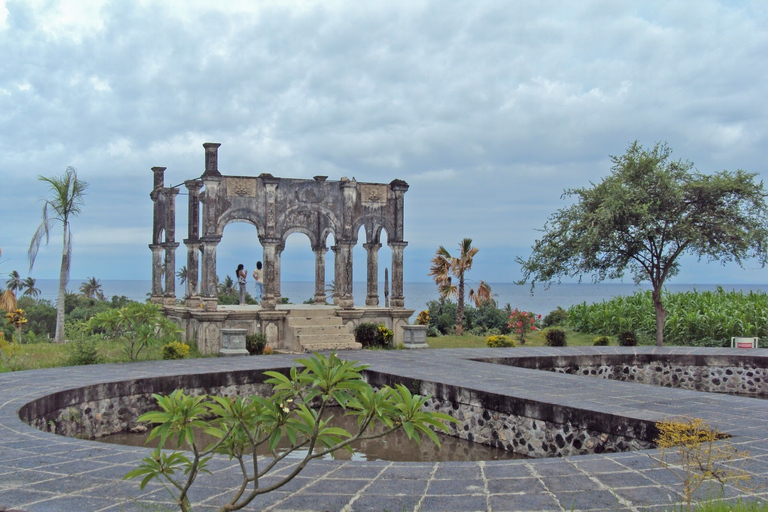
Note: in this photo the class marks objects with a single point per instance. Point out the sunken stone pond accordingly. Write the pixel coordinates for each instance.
(584, 418)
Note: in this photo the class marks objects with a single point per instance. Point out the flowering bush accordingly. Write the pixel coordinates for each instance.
(522, 322)
(499, 340)
(423, 318)
(18, 319)
(175, 350)
(386, 334)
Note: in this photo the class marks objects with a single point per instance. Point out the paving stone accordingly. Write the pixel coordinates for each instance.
(527, 501)
(44, 472)
(454, 503)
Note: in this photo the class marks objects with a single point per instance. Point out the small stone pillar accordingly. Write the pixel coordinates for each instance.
(415, 336)
(398, 300)
(233, 343)
(372, 296)
(320, 275)
(157, 274)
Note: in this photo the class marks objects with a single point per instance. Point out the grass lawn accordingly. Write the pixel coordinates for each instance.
(33, 356)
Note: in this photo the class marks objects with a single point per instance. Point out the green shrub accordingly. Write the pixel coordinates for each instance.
(255, 343)
(175, 350)
(499, 340)
(628, 339)
(555, 317)
(82, 347)
(432, 332)
(367, 334)
(601, 341)
(555, 338)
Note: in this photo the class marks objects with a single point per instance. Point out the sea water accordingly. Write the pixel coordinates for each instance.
(541, 300)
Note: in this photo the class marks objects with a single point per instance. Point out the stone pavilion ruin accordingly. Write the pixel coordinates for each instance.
(278, 207)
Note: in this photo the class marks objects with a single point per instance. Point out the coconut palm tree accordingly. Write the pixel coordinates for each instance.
(92, 288)
(14, 282)
(182, 274)
(8, 300)
(445, 267)
(65, 201)
(30, 290)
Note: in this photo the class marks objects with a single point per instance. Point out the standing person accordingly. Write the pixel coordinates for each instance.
(257, 277)
(241, 275)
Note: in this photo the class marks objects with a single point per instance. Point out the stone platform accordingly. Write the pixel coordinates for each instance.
(50, 473)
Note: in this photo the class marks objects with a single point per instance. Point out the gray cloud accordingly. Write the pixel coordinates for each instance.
(489, 110)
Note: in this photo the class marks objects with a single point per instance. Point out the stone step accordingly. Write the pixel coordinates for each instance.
(320, 329)
(323, 338)
(330, 345)
(301, 321)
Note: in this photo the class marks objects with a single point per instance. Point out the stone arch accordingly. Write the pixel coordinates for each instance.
(278, 207)
(239, 215)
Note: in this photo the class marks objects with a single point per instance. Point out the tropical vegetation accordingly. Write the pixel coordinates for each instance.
(294, 411)
(445, 267)
(65, 202)
(646, 214)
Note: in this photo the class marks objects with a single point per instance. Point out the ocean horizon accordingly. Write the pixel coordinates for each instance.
(418, 294)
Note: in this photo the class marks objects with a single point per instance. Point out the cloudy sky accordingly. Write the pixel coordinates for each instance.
(488, 109)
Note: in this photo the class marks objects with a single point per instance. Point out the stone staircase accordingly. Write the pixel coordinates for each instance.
(319, 330)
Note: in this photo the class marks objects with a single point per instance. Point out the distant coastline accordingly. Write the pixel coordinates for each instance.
(418, 294)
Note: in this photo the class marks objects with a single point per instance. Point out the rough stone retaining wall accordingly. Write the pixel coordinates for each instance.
(711, 374)
(527, 427)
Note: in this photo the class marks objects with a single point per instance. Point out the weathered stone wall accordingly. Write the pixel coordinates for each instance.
(742, 380)
(525, 426)
(531, 437)
(727, 373)
(98, 418)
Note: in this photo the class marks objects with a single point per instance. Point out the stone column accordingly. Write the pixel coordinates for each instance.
(397, 301)
(193, 241)
(169, 298)
(209, 292)
(193, 259)
(336, 273)
(372, 297)
(211, 160)
(157, 273)
(344, 283)
(319, 297)
(271, 273)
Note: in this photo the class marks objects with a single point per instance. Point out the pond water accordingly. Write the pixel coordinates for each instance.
(393, 447)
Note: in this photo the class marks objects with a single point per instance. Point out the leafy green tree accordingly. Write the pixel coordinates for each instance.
(137, 325)
(66, 199)
(647, 213)
(445, 267)
(294, 411)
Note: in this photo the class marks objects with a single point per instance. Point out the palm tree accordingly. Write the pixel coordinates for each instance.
(8, 300)
(14, 283)
(66, 200)
(91, 288)
(182, 274)
(29, 288)
(444, 267)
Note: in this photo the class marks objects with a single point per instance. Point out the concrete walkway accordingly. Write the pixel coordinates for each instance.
(44, 472)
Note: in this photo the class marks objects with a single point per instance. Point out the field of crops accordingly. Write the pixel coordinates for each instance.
(693, 318)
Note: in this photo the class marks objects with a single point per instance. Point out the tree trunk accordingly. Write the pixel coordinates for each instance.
(59, 336)
(661, 314)
(460, 308)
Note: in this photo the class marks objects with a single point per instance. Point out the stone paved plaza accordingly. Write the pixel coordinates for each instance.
(45, 472)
